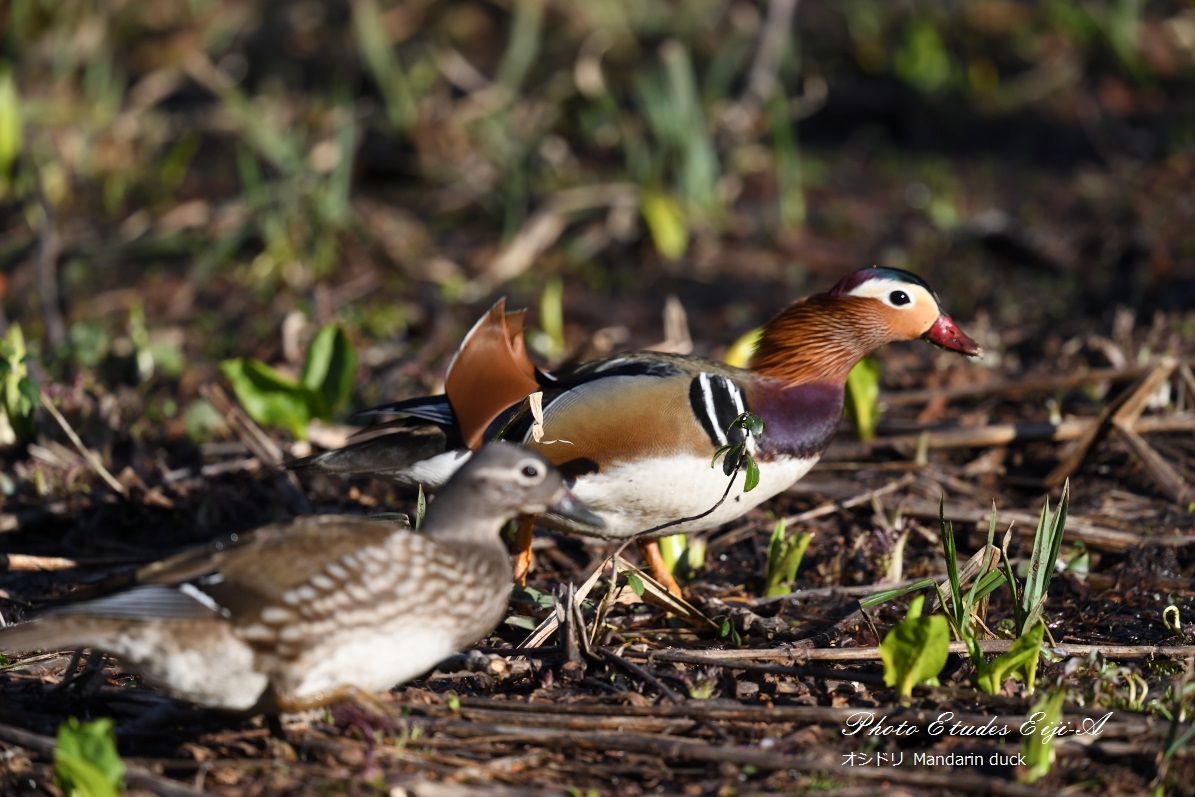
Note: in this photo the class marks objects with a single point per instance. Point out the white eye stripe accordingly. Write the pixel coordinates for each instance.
(896, 294)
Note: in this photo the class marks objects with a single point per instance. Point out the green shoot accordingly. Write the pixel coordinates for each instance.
(784, 557)
(19, 395)
(876, 598)
(728, 633)
(964, 607)
(1038, 746)
(863, 397)
(1172, 619)
(11, 127)
(274, 399)
(551, 317)
(1020, 661)
(683, 554)
(788, 162)
(1047, 540)
(381, 58)
(666, 222)
(915, 650)
(86, 763)
(329, 370)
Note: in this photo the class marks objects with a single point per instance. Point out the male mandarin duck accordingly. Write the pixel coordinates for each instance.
(301, 614)
(636, 432)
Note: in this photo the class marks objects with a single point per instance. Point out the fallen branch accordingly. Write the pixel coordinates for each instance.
(1001, 434)
(260, 444)
(731, 658)
(92, 458)
(1041, 385)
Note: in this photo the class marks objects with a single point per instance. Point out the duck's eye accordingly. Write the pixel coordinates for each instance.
(899, 298)
(531, 470)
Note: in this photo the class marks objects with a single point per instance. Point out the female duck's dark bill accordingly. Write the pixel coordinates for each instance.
(570, 508)
(945, 333)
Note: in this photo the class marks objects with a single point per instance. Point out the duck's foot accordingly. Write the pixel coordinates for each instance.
(650, 551)
(522, 546)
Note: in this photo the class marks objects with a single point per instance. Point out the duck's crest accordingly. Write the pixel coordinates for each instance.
(489, 372)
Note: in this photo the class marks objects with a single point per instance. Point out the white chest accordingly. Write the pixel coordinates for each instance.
(635, 498)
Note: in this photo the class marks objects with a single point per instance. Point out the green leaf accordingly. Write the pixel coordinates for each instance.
(915, 651)
(1019, 661)
(672, 550)
(923, 61)
(721, 450)
(270, 398)
(11, 125)
(863, 397)
(381, 57)
(1038, 745)
(752, 478)
(86, 763)
(1047, 541)
(329, 371)
(551, 315)
(666, 222)
(753, 424)
(28, 389)
(19, 395)
(731, 634)
(635, 583)
(522, 621)
(529, 596)
(883, 596)
(784, 560)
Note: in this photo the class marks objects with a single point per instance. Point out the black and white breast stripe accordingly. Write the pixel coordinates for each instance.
(717, 401)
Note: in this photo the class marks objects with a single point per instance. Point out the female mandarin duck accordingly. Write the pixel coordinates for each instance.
(635, 433)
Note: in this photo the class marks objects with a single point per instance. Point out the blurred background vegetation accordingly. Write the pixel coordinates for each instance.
(186, 182)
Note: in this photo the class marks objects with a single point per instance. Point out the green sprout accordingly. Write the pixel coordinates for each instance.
(915, 650)
(274, 399)
(86, 763)
(19, 395)
(784, 558)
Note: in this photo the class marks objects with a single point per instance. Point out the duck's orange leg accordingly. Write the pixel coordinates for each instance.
(650, 551)
(522, 552)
